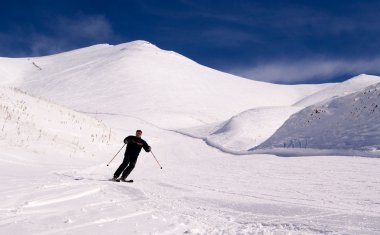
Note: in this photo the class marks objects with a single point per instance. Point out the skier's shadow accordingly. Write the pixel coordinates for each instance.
(78, 178)
(83, 178)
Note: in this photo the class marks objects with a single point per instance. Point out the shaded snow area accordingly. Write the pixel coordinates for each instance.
(347, 123)
(67, 115)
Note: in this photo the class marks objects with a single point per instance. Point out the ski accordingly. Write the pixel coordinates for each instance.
(120, 180)
(127, 181)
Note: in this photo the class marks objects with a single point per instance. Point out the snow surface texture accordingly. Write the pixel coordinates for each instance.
(53, 159)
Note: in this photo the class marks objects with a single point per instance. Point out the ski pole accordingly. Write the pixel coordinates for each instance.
(116, 154)
(156, 159)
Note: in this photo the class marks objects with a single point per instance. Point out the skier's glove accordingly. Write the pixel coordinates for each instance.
(150, 148)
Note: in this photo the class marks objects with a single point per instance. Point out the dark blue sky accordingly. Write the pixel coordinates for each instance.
(276, 41)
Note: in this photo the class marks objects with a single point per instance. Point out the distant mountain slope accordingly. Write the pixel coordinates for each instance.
(351, 122)
(141, 80)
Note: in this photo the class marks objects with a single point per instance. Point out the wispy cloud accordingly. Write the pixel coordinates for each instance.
(307, 70)
(264, 24)
(289, 19)
(64, 33)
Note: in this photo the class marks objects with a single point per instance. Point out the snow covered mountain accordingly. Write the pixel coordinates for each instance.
(351, 122)
(140, 80)
(65, 117)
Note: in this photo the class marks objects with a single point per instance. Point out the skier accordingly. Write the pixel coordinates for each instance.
(134, 145)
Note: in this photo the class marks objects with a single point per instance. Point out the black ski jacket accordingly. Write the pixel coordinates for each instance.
(134, 145)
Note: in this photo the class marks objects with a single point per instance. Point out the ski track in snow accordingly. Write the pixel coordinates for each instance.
(48, 201)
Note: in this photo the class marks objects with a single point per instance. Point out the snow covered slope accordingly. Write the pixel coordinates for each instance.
(200, 190)
(252, 127)
(351, 122)
(36, 125)
(141, 80)
(245, 130)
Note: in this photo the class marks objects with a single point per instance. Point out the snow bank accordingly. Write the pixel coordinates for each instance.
(243, 131)
(34, 124)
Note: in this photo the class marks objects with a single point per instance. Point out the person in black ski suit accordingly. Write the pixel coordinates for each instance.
(134, 145)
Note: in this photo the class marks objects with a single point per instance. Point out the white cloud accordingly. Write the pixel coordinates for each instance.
(42, 45)
(307, 71)
(70, 33)
(64, 34)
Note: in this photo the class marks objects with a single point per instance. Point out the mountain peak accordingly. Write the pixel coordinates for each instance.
(138, 44)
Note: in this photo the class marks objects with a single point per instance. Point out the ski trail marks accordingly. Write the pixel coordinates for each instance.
(53, 200)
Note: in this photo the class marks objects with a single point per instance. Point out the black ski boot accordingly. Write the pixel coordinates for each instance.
(125, 180)
(115, 179)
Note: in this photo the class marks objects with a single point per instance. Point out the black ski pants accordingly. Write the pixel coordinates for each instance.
(126, 166)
